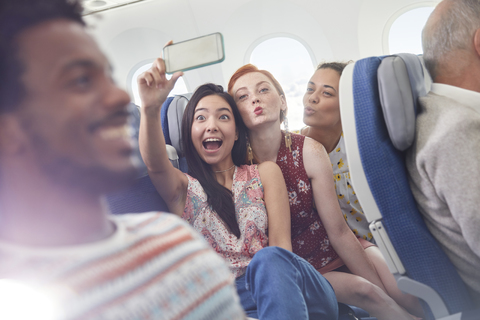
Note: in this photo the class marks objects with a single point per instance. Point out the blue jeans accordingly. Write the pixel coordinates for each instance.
(280, 285)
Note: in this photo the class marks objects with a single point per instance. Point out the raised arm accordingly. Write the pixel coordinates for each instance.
(276, 202)
(170, 182)
(319, 170)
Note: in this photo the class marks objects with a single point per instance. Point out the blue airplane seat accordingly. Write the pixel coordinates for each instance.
(163, 118)
(173, 118)
(375, 140)
(142, 195)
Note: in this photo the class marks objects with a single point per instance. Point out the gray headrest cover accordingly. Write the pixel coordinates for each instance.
(175, 115)
(400, 84)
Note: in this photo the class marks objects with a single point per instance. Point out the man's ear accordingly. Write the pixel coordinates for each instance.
(11, 135)
(476, 42)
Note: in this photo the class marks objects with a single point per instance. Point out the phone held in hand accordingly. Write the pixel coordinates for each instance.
(194, 53)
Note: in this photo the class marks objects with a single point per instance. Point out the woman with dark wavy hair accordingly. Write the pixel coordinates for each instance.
(240, 210)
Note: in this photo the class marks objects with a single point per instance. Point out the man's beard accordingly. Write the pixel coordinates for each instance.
(94, 179)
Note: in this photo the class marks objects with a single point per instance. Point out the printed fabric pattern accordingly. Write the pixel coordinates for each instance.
(154, 266)
(251, 215)
(309, 237)
(351, 209)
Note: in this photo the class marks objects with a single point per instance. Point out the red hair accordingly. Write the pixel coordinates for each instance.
(249, 68)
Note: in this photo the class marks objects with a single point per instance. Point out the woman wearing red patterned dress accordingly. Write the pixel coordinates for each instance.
(320, 235)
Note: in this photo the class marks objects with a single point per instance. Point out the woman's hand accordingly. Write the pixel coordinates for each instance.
(154, 86)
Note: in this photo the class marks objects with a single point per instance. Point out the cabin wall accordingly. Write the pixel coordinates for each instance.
(375, 20)
(330, 30)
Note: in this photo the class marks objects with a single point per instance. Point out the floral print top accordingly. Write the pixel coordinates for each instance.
(251, 215)
(351, 209)
(309, 237)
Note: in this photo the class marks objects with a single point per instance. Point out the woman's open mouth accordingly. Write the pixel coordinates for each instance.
(212, 144)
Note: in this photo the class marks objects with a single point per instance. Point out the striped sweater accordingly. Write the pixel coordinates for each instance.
(153, 267)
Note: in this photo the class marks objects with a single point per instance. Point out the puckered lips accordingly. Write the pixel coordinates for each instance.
(308, 111)
(212, 144)
(258, 110)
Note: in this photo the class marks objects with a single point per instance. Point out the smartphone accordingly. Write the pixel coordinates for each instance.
(194, 53)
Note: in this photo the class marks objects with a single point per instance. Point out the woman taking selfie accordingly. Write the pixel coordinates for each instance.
(239, 209)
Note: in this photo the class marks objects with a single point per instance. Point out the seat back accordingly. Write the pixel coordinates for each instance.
(173, 118)
(379, 176)
(142, 195)
(164, 119)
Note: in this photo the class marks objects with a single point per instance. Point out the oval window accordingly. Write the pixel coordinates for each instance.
(405, 33)
(290, 63)
(179, 88)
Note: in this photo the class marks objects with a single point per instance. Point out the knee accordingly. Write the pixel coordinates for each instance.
(368, 292)
(271, 255)
(270, 263)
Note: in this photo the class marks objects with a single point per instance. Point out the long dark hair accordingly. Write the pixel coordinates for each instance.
(218, 197)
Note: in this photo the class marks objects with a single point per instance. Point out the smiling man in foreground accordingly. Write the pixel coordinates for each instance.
(64, 142)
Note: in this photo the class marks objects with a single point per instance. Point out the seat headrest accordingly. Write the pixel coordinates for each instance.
(175, 115)
(164, 119)
(135, 125)
(400, 83)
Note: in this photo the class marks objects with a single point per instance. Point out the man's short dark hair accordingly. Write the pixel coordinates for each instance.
(15, 17)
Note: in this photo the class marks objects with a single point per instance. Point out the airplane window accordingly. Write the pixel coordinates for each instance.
(406, 31)
(179, 88)
(290, 63)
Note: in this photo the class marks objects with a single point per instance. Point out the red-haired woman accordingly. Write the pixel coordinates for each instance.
(319, 234)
